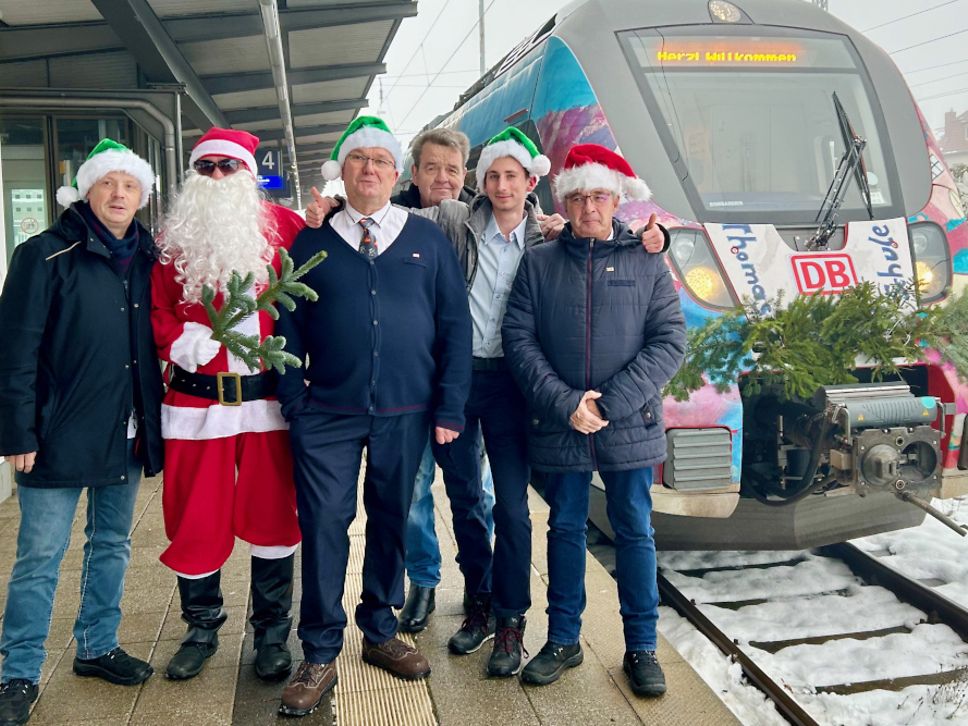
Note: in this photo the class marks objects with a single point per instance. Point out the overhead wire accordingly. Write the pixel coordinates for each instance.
(444, 64)
(926, 42)
(420, 45)
(911, 15)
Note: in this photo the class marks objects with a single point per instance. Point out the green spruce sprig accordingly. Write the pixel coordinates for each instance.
(237, 305)
(815, 340)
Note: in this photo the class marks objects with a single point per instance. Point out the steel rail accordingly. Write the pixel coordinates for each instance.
(872, 571)
(785, 704)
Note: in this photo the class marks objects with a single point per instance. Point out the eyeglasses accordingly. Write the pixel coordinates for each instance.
(206, 167)
(578, 200)
(381, 164)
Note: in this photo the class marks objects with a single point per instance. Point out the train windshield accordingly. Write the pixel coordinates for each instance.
(752, 119)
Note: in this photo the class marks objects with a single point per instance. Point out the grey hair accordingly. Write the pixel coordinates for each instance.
(442, 137)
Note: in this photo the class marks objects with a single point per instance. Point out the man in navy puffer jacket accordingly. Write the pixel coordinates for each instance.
(593, 331)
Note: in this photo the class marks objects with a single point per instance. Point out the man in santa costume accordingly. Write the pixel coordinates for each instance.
(228, 468)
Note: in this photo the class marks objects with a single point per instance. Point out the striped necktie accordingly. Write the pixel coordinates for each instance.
(368, 243)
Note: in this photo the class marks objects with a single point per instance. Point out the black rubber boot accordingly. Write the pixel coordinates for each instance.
(271, 603)
(201, 603)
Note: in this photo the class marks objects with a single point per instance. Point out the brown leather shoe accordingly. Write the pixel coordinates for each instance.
(397, 658)
(307, 687)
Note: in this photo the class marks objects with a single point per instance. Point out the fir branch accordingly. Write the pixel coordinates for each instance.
(815, 340)
(238, 304)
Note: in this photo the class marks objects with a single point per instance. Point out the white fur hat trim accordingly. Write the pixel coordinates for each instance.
(366, 137)
(538, 165)
(104, 163)
(599, 176)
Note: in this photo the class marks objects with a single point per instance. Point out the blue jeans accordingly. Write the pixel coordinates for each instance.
(46, 516)
(629, 507)
(423, 547)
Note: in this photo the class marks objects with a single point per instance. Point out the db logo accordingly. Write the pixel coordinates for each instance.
(823, 274)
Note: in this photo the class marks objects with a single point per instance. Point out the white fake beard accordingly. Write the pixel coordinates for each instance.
(215, 227)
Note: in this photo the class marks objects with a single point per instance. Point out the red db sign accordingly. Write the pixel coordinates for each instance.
(823, 274)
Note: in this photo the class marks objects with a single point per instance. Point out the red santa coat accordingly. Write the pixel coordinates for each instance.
(184, 416)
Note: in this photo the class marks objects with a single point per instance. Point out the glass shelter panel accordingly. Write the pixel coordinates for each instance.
(26, 205)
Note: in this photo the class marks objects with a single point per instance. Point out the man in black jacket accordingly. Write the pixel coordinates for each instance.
(80, 396)
(593, 331)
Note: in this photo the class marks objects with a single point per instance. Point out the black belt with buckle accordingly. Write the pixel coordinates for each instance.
(489, 364)
(229, 389)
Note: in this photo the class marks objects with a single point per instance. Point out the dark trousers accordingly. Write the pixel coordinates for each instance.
(496, 407)
(326, 464)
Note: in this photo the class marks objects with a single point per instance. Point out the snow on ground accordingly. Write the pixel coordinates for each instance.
(930, 552)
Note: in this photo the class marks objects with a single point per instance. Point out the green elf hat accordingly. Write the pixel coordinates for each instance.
(363, 132)
(104, 158)
(512, 142)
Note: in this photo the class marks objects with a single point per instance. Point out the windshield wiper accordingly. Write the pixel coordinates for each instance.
(851, 164)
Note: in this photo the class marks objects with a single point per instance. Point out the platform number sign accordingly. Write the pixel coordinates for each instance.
(270, 168)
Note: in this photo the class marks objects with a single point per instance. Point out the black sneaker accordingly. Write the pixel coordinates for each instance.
(115, 667)
(477, 627)
(16, 695)
(645, 674)
(551, 662)
(505, 660)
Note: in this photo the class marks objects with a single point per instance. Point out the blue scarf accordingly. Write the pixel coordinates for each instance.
(123, 249)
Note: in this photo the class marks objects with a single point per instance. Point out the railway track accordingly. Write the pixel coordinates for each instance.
(775, 613)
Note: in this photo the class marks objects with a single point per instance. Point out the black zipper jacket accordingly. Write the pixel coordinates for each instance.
(77, 357)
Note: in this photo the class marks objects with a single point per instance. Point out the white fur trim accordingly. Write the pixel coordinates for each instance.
(194, 577)
(540, 165)
(272, 552)
(113, 160)
(331, 170)
(66, 196)
(221, 147)
(637, 189)
(500, 149)
(216, 421)
(599, 176)
(369, 137)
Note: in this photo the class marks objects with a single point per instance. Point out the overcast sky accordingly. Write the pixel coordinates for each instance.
(435, 55)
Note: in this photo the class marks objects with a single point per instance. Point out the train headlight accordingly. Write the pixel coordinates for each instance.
(932, 260)
(704, 282)
(722, 11)
(695, 265)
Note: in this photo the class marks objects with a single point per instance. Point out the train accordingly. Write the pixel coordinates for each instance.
(746, 118)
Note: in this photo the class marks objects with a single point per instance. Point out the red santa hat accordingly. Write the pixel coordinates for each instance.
(231, 143)
(590, 166)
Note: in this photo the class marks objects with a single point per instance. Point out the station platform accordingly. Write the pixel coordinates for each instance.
(227, 693)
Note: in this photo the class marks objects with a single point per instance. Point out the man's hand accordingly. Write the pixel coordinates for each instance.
(652, 238)
(23, 462)
(551, 225)
(587, 419)
(444, 436)
(321, 206)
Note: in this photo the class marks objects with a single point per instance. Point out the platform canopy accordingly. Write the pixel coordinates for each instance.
(293, 71)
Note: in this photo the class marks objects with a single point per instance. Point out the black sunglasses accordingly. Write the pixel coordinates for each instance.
(206, 167)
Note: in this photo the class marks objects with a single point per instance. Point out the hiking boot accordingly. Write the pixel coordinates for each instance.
(307, 687)
(477, 627)
(505, 660)
(396, 658)
(16, 695)
(645, 674)
(115, 667)
(551, 662)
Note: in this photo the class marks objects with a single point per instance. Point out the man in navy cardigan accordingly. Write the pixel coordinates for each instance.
(389, 355)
